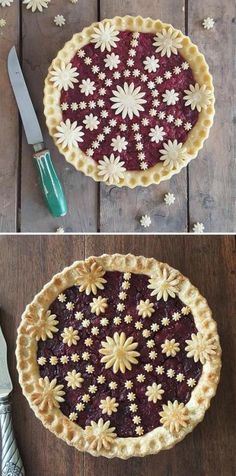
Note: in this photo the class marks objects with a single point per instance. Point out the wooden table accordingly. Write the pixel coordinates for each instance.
(204, 192)
(27, 263)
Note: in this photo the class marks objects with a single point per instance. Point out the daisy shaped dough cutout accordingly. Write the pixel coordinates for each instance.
(111, 169)
(59, 20)
(48, 394)
(174, 416)
(128, 100)
(198, 228)
(6, 3)
(154, 392)
(90, 277)
(64, 76)
(105, 37)
(208, 23)
(36, 4)
(119, 352)
(145, 221)
(168, 42)
(169, 198)
(100, 435)
(200, 348)
(198, 97)
(173, 154)
(69, 134)
(164, 284)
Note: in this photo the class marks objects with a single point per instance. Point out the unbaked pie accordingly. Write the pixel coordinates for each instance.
(119, 356)
(129, 101)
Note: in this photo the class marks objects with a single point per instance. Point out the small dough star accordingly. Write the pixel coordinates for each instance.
(208, 23)
(59, 20)
(169, 198)
(2, 22)
(60, 230)
(145, 221)
(198, 228)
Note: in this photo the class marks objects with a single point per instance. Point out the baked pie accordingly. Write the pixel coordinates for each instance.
(129, 101)
(119, 356)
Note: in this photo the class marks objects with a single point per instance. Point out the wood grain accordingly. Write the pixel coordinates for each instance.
(28, 262)
(121, 209)
(37, 56)
(212, 177)
(9, 130)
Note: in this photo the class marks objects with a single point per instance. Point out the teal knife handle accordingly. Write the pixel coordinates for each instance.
(11, 460)
(51, 185)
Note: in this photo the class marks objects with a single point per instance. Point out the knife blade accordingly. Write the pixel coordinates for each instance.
(5, 379)
(10, 457)
(50, 183)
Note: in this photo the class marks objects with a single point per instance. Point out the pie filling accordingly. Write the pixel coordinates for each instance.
(131, 101)
(120, 351)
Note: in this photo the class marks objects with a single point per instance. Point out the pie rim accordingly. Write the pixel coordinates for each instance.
(157, 439)
(196, 137)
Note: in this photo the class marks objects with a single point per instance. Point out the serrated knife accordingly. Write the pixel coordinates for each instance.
(50, 183)
(11, 460)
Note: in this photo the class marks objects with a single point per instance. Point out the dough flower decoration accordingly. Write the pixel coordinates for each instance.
(119, 352)
(200, 347)
(36, 4)
(167, 42)
(145, 308)
(69, 134)
(74, 379)
(98, 305)
(174, 416)
(42, 326)
(64, 76)
(105, 36)
(6, 3)
(157, 134)
(109, 406)
(164, 284)
(154, 392)
(70, 336)
(100, 435)
(111, 169)
(128, 100)
(198, 97)
(170, 348)
(48, 394)
(90, 277)
(173, 154)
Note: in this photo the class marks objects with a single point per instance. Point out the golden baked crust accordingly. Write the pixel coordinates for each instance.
(51, 416)
(196, 137)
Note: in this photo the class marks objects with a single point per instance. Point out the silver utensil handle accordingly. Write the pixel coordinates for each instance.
(11, 460)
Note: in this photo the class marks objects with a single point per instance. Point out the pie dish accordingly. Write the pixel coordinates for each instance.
(119, 356)
(129, 101)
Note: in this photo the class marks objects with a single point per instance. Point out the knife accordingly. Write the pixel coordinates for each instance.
(11, 460)
(51, 186)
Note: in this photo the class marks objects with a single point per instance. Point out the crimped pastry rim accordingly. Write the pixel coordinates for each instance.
(159, 438)
(196, 136)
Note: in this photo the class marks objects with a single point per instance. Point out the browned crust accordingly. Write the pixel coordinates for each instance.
(196, 137)
(59, 424)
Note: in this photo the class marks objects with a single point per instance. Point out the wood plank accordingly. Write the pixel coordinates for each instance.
(41, 451)
(121, 209)
(208, 261)
(212, 177)
(41, 41)
(201, 452)
(9, 131)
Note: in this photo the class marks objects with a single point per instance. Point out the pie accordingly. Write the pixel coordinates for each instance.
(129, 101)
(119, 356)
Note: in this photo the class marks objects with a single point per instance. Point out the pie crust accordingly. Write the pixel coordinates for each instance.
(89, 277)
(137, 175)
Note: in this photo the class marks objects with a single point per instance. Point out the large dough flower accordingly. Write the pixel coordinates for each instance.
(37, 4)
(198, 97)
(168, 42)
(5, 3)
(173, 154)
(111, 169)
(69, 134)
(105, 36)
(200, 347)
(64, 76)
(99, 435)
(42, 326)
(174, 416)
(90, 277)
(119, 352)
(48, 395)
(164, 284)
(128, 100)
